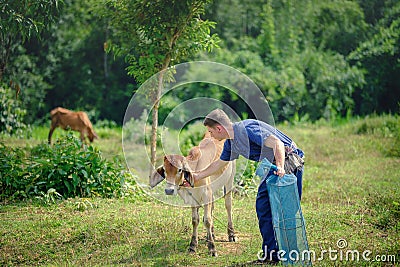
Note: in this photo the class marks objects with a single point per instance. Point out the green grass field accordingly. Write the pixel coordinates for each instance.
(351, 197)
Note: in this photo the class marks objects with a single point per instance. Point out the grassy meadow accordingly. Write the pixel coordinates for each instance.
(351, 204)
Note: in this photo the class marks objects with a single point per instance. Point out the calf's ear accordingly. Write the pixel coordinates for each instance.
(157, 176)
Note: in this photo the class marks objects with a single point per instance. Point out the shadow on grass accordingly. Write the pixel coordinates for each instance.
(159, 253)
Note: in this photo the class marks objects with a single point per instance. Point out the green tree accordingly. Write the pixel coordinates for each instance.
(266, 38)
(25, 68)
(298, 64)
(330, 84)
(19, 20)
(68, 67)
(379, 56)
(154, 34)
(235, 19)
(336, 25)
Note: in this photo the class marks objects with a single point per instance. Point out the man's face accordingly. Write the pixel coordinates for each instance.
(217, 132)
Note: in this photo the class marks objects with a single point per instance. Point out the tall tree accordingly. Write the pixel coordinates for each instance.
(19, 20)
(152, 34)
(379, 57)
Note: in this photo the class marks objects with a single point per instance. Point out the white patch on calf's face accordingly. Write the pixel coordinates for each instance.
(171, 189)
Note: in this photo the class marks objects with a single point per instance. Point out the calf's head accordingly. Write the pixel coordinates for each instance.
(92, 135)
(176, 171)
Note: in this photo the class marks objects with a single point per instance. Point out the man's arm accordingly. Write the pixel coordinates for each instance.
(279, 153)
(211, 169)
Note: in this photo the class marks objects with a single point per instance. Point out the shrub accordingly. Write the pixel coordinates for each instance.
(245, 179)
(73, 171)
(12, 182)
(105, 124)
(386, 127)
(65, 168)
(138, 131)
(11, 113)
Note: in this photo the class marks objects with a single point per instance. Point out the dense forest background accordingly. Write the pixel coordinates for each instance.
(313, 59)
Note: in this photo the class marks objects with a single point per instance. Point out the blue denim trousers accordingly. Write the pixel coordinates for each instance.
(264, 215)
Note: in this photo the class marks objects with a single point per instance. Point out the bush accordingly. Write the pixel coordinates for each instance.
(138, 131)
(387, 126)
(65, 168)
(12, 174)
(246, 181)
(105, 124)
(11, 113)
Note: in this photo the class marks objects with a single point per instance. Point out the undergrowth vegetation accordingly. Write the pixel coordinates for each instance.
(63, 170)
(11, 113)
(387, 127)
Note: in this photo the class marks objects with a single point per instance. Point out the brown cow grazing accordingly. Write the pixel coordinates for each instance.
(76, 121)
(177, 169)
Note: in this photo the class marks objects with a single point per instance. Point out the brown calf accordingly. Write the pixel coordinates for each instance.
(76, 121)
(177, 169)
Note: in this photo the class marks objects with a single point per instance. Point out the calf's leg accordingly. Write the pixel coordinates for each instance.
(212, 216)
(228, 202)
(208, 223)
(228, 207)
(195, 224)
(52, 128)
(82, 136)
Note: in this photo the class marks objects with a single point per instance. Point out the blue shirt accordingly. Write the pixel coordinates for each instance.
(249, 137)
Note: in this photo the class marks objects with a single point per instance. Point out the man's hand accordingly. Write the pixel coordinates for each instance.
(211, 169)
(280, 172)
(279, 153)
(195, 176)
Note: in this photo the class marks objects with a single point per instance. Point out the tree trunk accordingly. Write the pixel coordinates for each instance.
(154, 126)
(1, 72)
(5, 54)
